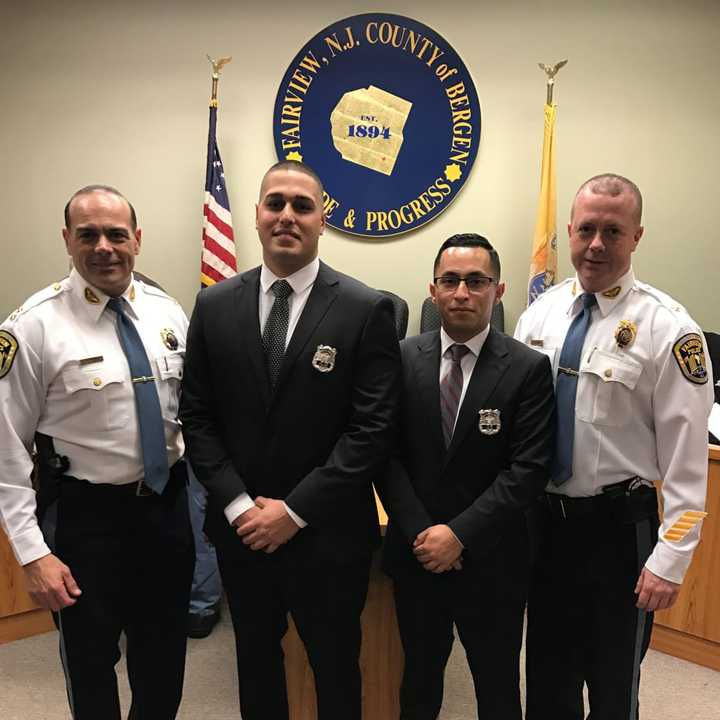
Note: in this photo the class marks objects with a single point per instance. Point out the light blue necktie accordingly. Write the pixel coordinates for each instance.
(566, 390)
(152, 432)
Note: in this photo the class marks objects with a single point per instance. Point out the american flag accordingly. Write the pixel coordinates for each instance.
(218, 242)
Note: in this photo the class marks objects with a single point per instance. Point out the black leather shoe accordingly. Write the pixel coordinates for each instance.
(200, 626)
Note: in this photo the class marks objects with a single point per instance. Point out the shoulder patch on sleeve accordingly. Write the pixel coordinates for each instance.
(8, 350)
(689, 353)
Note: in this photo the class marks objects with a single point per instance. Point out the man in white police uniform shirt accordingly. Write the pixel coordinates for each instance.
(633, 393)
(114, 551)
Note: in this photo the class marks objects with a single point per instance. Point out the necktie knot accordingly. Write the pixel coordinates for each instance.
(457, 352)
(588, 300)
(281, 289)
(117, 305)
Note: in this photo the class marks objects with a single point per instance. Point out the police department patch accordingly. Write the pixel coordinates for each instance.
(8, 350)
(387, 114)
(690, 355)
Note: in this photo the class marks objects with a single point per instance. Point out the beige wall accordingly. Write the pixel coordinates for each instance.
(117, 93)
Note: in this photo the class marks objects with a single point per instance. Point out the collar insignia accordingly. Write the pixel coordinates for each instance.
(612, 293)
(91, 297)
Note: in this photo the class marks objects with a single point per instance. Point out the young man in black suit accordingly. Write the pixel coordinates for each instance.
(290, 386)
(473, 450)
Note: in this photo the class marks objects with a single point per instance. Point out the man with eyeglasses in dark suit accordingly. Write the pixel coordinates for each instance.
(473, 450)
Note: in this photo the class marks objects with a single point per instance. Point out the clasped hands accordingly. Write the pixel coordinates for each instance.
(438, 549)
(266, 526)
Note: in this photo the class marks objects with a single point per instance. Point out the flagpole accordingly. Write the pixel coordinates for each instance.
(543, 263)
(218, 256)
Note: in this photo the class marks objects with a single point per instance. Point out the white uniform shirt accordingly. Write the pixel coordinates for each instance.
(636, 411)
(70, 380)
(302, 283)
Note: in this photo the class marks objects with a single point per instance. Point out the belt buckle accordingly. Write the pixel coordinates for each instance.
(142, 489)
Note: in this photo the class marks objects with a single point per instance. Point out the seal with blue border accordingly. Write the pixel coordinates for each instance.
(387, 114)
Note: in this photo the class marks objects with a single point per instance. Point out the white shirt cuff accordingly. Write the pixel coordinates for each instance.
(242, 503)
(298, 520)
(29, 546)
(668, 563)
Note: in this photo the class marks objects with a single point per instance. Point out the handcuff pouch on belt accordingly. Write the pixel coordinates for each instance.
(631, 501)
(49, 470)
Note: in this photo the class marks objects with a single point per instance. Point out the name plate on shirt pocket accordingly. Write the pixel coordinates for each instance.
(605, 386)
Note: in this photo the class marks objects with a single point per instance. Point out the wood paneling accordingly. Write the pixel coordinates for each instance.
(19, 616)
(381, 657)
(691, 628)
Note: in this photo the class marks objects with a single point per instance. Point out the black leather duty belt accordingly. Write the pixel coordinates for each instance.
(139, 488)
(564, 507)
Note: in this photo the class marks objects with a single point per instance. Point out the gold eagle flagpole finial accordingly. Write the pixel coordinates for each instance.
(551, 71)
(217, 66)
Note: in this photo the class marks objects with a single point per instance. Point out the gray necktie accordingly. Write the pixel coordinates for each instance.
(451, 389)
(566, 390)
(152, 429)
(275, 331)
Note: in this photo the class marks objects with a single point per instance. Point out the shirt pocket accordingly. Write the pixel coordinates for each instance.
(101, 396)
(605, 388)
(169, 376)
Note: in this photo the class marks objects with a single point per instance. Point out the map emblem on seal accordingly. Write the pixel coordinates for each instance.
(387, 114)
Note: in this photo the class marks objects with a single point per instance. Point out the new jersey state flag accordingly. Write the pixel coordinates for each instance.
(543, 264)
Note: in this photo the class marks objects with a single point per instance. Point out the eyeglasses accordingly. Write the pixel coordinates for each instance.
(474, 283)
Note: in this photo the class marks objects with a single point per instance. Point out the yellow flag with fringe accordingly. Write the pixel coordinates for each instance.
(543, 265)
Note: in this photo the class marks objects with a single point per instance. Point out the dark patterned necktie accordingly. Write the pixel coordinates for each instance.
(152, 429)
(451, 389)
(276, 327)
(566, 390)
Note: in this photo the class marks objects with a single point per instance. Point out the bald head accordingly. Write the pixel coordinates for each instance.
(613, 186)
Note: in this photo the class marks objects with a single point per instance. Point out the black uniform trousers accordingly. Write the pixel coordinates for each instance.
(325, 604)
(133, 558)
(582, 618)
(488, 610)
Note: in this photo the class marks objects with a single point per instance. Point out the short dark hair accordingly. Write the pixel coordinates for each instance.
(471, 240)
(100, 188)
(613, 185)
(297, 166)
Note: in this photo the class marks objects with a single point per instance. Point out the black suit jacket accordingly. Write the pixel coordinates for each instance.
(319, 439)
(481, 484)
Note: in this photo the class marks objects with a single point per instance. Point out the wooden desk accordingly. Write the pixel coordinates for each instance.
(381, 657)
(19, 616)
(691, 628)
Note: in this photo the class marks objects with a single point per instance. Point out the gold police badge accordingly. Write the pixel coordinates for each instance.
(690, 356)
(625, 333)
(489, 422)
(169, 338)
(8, 350)
(324, 358)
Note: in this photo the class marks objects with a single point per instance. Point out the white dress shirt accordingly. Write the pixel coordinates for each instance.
(302, 283)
